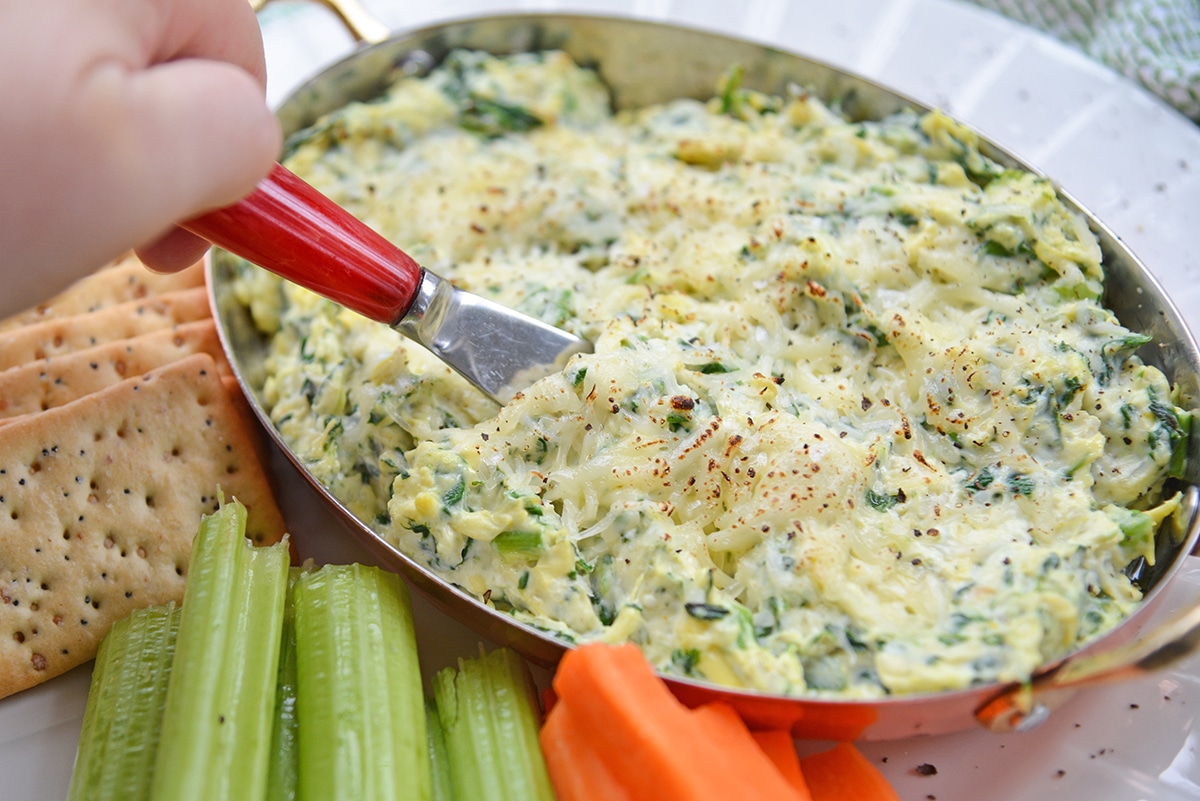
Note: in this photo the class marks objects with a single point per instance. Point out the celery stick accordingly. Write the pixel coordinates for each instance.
(488, 713)
(439, 760)
(282, 776)
(221, 696)
(360, 700)
(119, 739)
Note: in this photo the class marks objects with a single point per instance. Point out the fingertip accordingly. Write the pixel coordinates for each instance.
(243, 136)
(175, 251)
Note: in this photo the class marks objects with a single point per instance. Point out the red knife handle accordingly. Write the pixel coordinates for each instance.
(291, 229)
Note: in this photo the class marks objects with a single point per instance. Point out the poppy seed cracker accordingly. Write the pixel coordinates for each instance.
(125, 280)
(99, 501)
(56, 380)
(76, 332)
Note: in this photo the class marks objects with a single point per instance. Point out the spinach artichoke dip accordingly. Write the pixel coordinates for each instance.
(856, 423)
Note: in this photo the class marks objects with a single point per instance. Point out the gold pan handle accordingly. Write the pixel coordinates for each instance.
(362, 24)
(1025, 706)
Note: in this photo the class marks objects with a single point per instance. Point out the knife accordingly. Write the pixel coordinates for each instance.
(289, 228)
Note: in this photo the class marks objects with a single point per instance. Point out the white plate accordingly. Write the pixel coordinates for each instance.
(1122, 153)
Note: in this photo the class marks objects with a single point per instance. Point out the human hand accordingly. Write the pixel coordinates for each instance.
(120, 118)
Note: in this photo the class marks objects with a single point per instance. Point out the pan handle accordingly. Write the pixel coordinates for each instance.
(363, 25)
(1024, 706)
(291, 229)
(1027, 705)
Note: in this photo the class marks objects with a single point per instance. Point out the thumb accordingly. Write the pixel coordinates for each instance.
(203, 137)
(206, 138)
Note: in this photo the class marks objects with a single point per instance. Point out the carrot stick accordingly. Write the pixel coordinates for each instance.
(648, 738)
(635, 723)
(843, 772)
(723, 722)
(548, 699)
(577, 770)
(780, 748)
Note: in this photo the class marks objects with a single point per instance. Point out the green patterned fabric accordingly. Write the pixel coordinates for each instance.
(1154, 42)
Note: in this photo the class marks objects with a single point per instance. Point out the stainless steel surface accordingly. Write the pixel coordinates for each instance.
(645, 63)
(495, 348)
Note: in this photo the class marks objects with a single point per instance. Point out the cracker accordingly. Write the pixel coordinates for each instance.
(126, 280)
(59, 335)
(54, 381)
(99, 502)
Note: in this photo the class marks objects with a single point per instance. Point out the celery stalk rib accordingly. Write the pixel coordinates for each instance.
(221, 695)
(360, 702)
(439, 760)
(282, 776)
(121, 723)
(489, 716)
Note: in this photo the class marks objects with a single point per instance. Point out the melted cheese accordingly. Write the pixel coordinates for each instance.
(855, 422)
